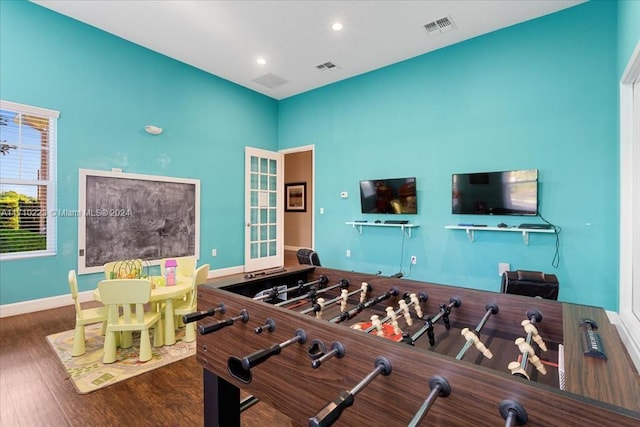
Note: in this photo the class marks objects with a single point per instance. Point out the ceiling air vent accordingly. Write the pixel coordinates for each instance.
(327, 66)
(270, 80)
(439, 26)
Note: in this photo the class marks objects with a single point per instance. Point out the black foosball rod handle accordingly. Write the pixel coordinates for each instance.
(513, 413)
(257, 357)
(207, 329)
(439, 387)
(198, 315)
(332, 411)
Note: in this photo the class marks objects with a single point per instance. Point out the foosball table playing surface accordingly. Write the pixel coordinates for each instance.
(328, 347)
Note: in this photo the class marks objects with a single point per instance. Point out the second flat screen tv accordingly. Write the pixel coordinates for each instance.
(496, 193)
(389, 196)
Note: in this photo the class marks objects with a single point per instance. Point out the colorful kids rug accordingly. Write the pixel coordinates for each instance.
(88, 373)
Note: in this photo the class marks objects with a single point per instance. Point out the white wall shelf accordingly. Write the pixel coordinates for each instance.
(406, 228)
(470, 229)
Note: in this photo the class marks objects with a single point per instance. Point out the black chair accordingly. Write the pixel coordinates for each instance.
(530, 283)
(308, 256)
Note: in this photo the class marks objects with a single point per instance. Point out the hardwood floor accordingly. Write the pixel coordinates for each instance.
(35, 390)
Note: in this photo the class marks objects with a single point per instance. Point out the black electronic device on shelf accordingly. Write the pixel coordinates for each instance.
(536, 226)
(397, 221)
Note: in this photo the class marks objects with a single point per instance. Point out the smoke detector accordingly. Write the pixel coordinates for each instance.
(270, 80)
(439, 26)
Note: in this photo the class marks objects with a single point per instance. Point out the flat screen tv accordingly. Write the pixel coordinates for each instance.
(495, 193)
(389, 196)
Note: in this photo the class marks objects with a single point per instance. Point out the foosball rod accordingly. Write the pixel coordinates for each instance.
(439, 387)
(332, 411)
(316, 307)
(422, 297)
(346, 315)
(445, 309)
(259, 356)
(198, 315)
(275, 291)
(207, 329)
(342, 284)
(513, 413)
(492, 308)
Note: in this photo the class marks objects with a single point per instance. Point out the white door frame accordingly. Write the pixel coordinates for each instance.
(277, 260)
(630, 207)
(301, 149)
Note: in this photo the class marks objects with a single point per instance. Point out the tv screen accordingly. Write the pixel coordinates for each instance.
(495, 193)
(389, 196)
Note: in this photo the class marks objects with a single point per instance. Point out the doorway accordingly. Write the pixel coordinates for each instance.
(299, 174)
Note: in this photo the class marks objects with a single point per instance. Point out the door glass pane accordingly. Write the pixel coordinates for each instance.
(263, 249)
(263, 182)
(273, 169)
(254, 199)
(254, 233)
(272, 216)
(263, 216)
(272, 248)
(254, 216)
(272, 232)
(272, 183)
(263, 165)
(273, 198)
(254, 181)
(254, 250)
(263, 232)
(254, 164)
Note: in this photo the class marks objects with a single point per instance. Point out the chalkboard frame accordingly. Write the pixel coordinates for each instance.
(87, 210)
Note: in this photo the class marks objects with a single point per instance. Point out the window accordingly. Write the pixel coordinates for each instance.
(27, 180)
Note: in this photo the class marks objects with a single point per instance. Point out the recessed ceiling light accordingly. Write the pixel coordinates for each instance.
(337, 26)
(261, 61)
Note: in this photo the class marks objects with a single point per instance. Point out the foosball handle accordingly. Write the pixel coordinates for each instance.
(332, 411)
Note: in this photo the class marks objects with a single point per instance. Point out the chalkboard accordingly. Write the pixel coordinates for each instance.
(132, 216)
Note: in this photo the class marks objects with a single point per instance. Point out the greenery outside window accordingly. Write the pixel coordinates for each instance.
(28, 137)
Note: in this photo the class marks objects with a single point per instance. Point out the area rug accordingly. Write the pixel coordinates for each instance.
(88, 373)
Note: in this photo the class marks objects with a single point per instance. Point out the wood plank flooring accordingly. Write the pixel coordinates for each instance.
(35, 390)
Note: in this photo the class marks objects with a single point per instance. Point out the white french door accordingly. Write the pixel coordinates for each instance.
(264, 220)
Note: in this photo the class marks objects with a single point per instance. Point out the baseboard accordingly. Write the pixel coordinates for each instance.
(15, 309)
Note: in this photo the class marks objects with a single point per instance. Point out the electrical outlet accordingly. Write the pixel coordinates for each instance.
(413, 259)
(348, 253)
(214, 252)
(502, 267)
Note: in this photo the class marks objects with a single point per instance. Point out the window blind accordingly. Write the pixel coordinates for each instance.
(28, 211)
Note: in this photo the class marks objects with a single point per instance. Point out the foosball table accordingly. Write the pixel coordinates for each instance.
(328, 347)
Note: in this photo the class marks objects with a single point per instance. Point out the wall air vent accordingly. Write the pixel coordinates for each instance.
(270, 80)
(327, 66)
(439, 26)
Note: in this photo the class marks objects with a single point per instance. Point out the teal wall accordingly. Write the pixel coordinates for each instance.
(107, 90)
(542, 95)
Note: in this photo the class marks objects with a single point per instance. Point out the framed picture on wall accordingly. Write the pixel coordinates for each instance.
(295, 197)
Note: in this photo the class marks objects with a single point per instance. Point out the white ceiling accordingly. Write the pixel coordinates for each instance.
(226, 37)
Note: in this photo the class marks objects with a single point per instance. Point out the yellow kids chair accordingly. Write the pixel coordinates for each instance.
(190, 305)
(119, 294)
(84, 317)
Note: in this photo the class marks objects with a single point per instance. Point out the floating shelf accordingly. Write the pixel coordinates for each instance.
(525, 231)
(406, 228)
